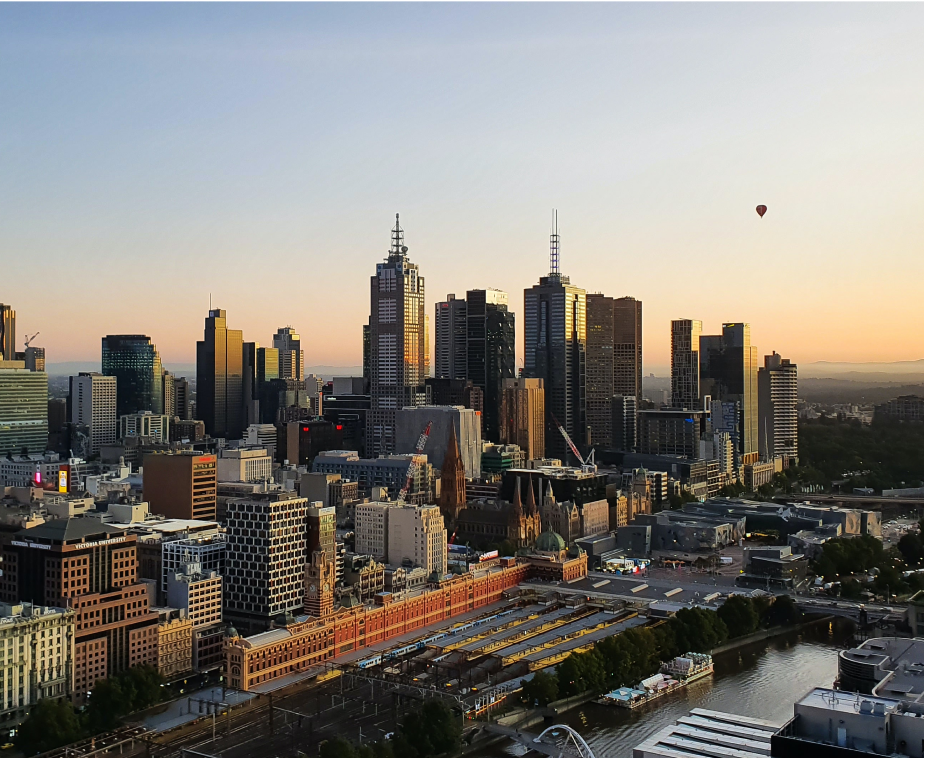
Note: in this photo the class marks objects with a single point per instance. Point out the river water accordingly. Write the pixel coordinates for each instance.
(761, 680)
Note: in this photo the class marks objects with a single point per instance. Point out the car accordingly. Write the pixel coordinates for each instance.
(7, 746)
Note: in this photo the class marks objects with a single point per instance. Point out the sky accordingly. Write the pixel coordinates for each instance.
(152, 156)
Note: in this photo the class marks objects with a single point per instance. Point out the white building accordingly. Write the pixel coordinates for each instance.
(372, 530)
(197, 592)
(145, 424)
(245, 465)
(36, 657)
(777, 409)
(416, 533)
(93, 405)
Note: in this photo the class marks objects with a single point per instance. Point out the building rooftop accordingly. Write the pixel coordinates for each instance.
(710, 734)
(71, 530)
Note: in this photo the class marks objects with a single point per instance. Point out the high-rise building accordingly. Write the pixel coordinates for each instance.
(671, 432)
(523, 416)
(627, 347)
(266, 374)
(23, 411)
(265, 573)
(555, 340)
(182, 408)
(729, 374)
(168, 382)
(291, 355)
(91, 567)
(366, 354)
(7, 333)
(489, 350)
(181, 485)
(450, 352)
(135, 363)
(599, 376)
(623, 425)
(685, 363)
(777, 409)
(321, 528)
(410, 422)
(249, 385)
(457, 392)
(372, 529)
(35, 358)
(219, 378)
(196, 591)
(93, 404)
(396, 334)
(417, 534)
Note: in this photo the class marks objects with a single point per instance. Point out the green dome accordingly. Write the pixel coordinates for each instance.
(550, 542)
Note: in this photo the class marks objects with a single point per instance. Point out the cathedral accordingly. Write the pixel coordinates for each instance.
(486, 522)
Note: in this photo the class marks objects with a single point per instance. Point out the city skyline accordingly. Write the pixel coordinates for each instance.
(193, 165)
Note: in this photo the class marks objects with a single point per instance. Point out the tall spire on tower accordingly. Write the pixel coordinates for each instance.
(398, 240)
(531, 497)
(554, 245)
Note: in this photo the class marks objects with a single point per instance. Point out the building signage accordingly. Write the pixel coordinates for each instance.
(62, 480)
(30, 544)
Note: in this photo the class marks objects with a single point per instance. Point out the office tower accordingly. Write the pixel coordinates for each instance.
(777, 409)
(264, 576)
(93, 404)
(410, 422)
(219, 369)
(181, 485)
(91, 567)
(729, 374)
(321, 527)
(372, 529)
(168, 382)
(426, 345)
(34, 671)
(23, 411)
(151, 425)
(299, 442)
(554, 351)
(366, 354)
(7, 333)
(209, 551)
(134, 361)
(456, 392)
(196, 591)
(489, 350)
(452, 480)
(685, 363)
(671, 432)
(266, 373)
(450, 351)
(249, 384)
(291, 355)
(523, 416)
(35, 358)
(599, 377)
(396, 335)
(181, 398)
(627, 347)
(623, 424)
(417, 534)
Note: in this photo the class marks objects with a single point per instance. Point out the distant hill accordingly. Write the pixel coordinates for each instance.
(896, 371)
(72, 368)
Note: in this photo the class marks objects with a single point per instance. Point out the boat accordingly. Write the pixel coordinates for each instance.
(672, 676)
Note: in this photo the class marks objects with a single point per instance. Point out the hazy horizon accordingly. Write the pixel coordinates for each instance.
(156, 155)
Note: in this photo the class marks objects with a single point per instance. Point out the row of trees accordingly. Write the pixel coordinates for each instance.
(844, 556)
(627, 658)
(53, 723)
(433, 729)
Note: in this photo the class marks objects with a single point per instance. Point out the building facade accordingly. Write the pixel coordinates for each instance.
(523, 416)
(372, 530)
(181, 485)
(490, 350)
(7, 333)
(245, 464)
(417, 534)
(146, 424)
(174, 643)
(220, 377)
(23, 411)
(450, 339)
(93, 405)
(197, 593)
(411, 422)
(671, 432)
(135, 363)
(777, 410)
(290, 354)
(397, 359)
(685, 363)
(627, 347)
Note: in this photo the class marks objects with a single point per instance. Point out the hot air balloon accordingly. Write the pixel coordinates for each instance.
(762, 209)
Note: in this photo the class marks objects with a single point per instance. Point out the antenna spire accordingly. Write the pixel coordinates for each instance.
(554, 245)
(398, 239)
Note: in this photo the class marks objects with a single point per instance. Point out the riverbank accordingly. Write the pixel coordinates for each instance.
(767, 634)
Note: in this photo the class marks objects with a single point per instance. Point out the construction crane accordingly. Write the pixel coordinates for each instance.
(588, 464)
(413, 466)
(29, 339)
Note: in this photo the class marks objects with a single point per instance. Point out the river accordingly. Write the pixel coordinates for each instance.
(761, 680)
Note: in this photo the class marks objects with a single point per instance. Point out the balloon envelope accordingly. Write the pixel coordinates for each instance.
(762, 209)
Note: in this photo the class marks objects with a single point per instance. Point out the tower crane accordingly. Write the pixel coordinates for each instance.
(413, 466)
(29, 339)
(587, 464)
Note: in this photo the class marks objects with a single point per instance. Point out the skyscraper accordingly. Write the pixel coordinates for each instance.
(554, 351)
(134, 361)
(450, 352)
(7, 333)
(93, 404)
(685, 363)
(627, 347)
(729, 374)
(23, 411)
(396, 343)
(523, 416)
(777, 409)
(291, 355)
(219, 378)
(489, 351)
(267, 371)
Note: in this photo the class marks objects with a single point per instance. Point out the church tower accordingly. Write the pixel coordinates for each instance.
(452, 481)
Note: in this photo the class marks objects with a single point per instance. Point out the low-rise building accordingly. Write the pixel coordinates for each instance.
(153, 426)
(197, 593)
(245, 464)
(174, 643)
(773, 567)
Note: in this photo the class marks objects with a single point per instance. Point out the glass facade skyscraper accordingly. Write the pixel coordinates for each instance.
(219, 378)
(23, 411)
(134, 361)
(489, 351)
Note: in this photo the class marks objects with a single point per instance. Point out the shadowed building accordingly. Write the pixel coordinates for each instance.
(135, 363)
(452, 481)
(219, 378)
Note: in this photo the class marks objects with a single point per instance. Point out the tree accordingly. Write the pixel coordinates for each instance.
(432, 730)
(108, 704)
(337, 748)
(50, 724)
(739, 616)
(782, 612)
(911, 549)
(542, 689)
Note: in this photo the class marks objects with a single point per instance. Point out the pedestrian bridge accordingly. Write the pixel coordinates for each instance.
(558, 741)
